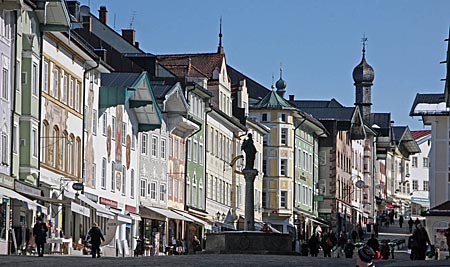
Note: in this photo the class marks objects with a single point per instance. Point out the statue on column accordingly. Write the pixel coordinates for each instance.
(250, 152)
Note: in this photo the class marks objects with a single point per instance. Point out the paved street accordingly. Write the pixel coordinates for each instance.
(201, 260)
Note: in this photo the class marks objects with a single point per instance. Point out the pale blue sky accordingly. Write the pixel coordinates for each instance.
(318, 42)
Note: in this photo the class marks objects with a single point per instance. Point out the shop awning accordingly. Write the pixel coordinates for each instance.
(195, 219)
(122, 217)
(135, 217)
(28, 202)
(168, 213)
(101, 211)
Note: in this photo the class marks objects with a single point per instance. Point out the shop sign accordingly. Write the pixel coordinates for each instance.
(27, 189)
(130, 208)
(78, 186)
(91, 196)
(108, 202)
(80, 209)
(6, 181)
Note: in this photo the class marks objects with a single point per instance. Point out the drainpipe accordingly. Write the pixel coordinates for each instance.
(206, 145)
(41, 54)
(185, 165)
(84, 115)
(14, 89)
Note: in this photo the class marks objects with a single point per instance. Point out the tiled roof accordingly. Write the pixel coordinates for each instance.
(273, 101)
(255, 90)
(383, 120)
(332, 113)
(420, 134)
(203, 63)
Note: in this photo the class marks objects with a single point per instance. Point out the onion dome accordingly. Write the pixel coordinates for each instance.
(363, 72)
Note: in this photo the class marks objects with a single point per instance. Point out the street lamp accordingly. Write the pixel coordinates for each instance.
(218, 215)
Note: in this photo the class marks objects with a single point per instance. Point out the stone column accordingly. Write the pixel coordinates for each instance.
(249, 176)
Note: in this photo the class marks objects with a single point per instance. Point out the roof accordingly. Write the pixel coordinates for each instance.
(440, 210)
(255, 90)
(420, 134)
(273, 101)
(334, 113)
(204, 63)
(429, 104)
(404, 139)
(382, 120)
(333, 103)
(160, 88)
(119, 79)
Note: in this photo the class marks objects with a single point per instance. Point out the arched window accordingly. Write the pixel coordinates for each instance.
(70, 151)
(77, 157)
(64, 151)
(55, 152)
(113, 176)
(124, 181)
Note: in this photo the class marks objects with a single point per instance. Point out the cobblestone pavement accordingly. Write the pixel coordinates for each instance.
(209, 260)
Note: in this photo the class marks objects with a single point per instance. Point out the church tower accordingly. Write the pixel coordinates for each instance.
(363, 76)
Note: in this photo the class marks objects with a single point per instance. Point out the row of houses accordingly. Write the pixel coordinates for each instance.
(94, 129)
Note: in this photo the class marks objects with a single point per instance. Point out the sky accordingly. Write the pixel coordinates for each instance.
(318, 42)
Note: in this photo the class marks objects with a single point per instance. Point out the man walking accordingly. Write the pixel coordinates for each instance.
(96, 236)
(410, 224)
(400, 221)
(40, 235)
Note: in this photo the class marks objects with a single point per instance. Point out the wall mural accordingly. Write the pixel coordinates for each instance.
(128, 152)
(119, 121)
(89, 148)
(108, 143)
(55, 116)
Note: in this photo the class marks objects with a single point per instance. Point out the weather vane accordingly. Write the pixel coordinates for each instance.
(364, 41)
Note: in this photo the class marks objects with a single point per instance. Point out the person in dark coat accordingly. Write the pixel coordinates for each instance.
(96, 236)
(326, 245)
(313, 244)
(354, 235)
(410, 224)
(400, 221)
(421, 239)
(373, 243)
(40, 236)
(348, 249)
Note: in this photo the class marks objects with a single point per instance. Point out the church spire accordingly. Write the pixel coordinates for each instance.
(220, 48)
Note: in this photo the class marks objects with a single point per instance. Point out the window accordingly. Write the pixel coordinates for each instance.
(94, 122)
(264, 200)
(45, 77)
(283, 167)
(195, 150)
(78, 96)
(4, 146)
(415, 185)
(64, 151)
(426, 162)
(104, 123)
(153, 190)
(56, 82)
(200, 154)
(414, 162)
(113, 128)
(124, 133)
(162, 192)
(163, 148)
(113, 176)
(283, 117)
(103, 181)
(124, 181)
(70, 160)
(94, 175)
(34, 79)
(5, 84)
(426, 186)
(175, 153)
(132, 183)
(283, 199)
(133, 141)
(284, 133)
(305, 195)
(144, 144)
(189, 149)
(77, 156)
(154, 145)
(143, 187)
(265, 167)
(264, 117)
(14, 139)
(71, 96)
(65, 89)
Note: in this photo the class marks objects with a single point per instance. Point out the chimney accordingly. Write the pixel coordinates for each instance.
(129, 35)
(87, 23)
(103, 15)
(291, 98)
(136, 44)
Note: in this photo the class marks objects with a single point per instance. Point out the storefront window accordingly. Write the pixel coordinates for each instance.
(3, 212)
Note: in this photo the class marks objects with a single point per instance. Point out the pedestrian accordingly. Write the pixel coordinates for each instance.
(40, 235)
(326, 245)
(400, 221)
(304, 249)
(417, 221)
(410, 224)
(391, 217)
(365, 257)
(411, 247)
(386, 224)
(373, 243)
(354, 235)
(196, 244)
(341, 243)
(421, 239)
(376, 229)
(384, 250)
(313, 245)
(447, 234)
(360, 232)
(348, 249)
(96, 236)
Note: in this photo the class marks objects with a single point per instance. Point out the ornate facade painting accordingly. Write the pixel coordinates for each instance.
(119, 133)
(128, 152)
(108, 143)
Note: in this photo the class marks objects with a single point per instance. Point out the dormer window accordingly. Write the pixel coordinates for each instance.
(264, 117)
